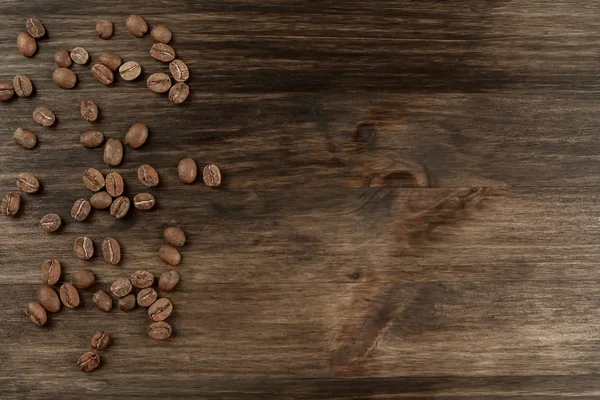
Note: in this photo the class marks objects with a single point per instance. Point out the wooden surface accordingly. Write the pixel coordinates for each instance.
(410, 205)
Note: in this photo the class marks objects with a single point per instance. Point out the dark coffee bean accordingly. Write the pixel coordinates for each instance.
(84, 247)
(168, 280)
(93, 179)
(62, 58)
(115, 184)
(80, 56)
(111, 60)
(137, 25)
(10, 204)
(160, 309)
(161, 34)
(142, 279)
(101, 200)
(44, 116)
(88, 361)
(49, 298)
(36, 313)
(26, 44)
(144, 201)
(136, 135)
(148, 175)
(100, 340)
(50, 223)
(83, 278)
(120, 207)
(89, 110)
(187, 170)
(179, 92)
(121, 287)
(102, 300)
(169, 254)
(35, 28)
(28, 183)
(91, 139)
(179, 70)
(64, 78)
(22, 85)
(160, 330)
(7, 91)
(103, 74)
(25, 138)
(175, 236)
(127, 303)
(130, 70)
(111, 251)
(162, 52)
(113, 152)
(51, 270)
(104, 29)
(159, 82)
(146, 297)
(69, 295)
(81, 209)
(211, 175)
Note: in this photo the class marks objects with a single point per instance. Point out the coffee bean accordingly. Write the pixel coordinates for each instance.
(22, 85)
(102, 300)
(62, 58)
(36, 313)
(160, 330)
(130, 70)
(148, 175)
(144, 201)
(44, 116)
(115, 184)
(169, 254)
(187, 170)
(35, 28)
(81, 209)
(50, 223)
(162, 52)
(10, 204)
(25, 138)
(51, 271)
(159, 82)
(69, 295)
(161, 34)
(91, 139)
(88, 361)
(101, 200)
(113, 152)
(103, 74)
(211, 175)
(121, 287)
(160, 309)
(64, 78)
(83, 247)
(7, 91)
(111, 251)
(179, 70)
(111, 60)
(80, 56)
(146, 297)
(175, 236)
(93, 179)
(104, 29)
(28, 183)
(100, 340)
(179, 92)
(168, 280)
(120, 207)
(142, 279)
(26, 44)
(83, 278)
(136, 135)
(89, 110)
(49, 298)
(127, 303)
(137, 25)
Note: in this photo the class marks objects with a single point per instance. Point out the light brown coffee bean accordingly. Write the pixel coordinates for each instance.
(26, 44)
(115, 184)
(113, 152)
(136, 135)
(142, 279)
(168, 280)
(160, 330)
(64, 78)
(89, 110)
(35, 28)
(162, 52)
(111, 60)
(136, 25)
(100, 340)
(127, 303)
(28, 183)
(175, 236)
(62, 58)
(83, 278)
(7, 91)
(91, 139)
(111, 251)
(130, 70)
(144, 201)
(121, 287)
(51, 270)
(88, 361)
(69, 295)
(104, 29)
(49, 298)
(11, 204)
(83, 247)
(81, 209)
(187, 170)
(159, 82)
(25, 138)
(179, 93)
(120, 207)
(50, 223)
(36, 313)
(22, 85)
(80, 56)
(101, 200)
(102, 300)
(103, 74)
(146, 297)
(169, 254)
(44, 116)
(161, 34)
(93, 179)
(211, 175)
(160, 309)
(148, 175)
(179, 70)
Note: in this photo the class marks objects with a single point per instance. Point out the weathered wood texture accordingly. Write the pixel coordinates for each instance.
(409, 207)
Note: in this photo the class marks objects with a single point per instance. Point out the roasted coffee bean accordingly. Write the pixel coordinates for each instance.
(81, 209)
(93, 179)
(88, 361)
(49, 298)
(121, 287)
(142, 279)
(111, 251)
(137, 25)
(69, 295)
(136, 135)
(62, 58)
(162, 52)
(22, 85)
(35, 28)
(25, 138)
(161, 34)
(101, 200)
(211, 175)
(113, 152)
(80, 56)
(160, 330)
(36, 313)
(64, 78)
(130, 70)
(169, 254)
(10, 204)
(50, 223)
(115, 184)
(175, 236)
(51, 271)
(91, 139)
(7, 91)
(120, 207)
(127, 303)
(83, 247)
(148, 175)
(89, 110)
(104, 29)
(179, 70)
(102, 300)
(146, 297)
(100, 340)
(83, 278)
(144, 201)
(179, 92)
(160, 309)
(26, 44)
(168, 280)
(28, 183)
(187, 170)
(103, 74)
(44, 116)
(159, 82)
(111, 60)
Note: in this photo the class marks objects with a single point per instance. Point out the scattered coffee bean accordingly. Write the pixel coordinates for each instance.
(168, 280)
(69, 295)
(113, 152)
(26, 44)
(28, 183)
(127, 303)
(10, 204)
(179, 92)
(169, 254)
(136, 135)
(175, 236)
(130, 70)
(51, 271)
(111, 251)
(101, 200)
(62, 58)
(100, 340)
(159, 82)
(93, 179)
(121, 287)
(144, 201)
(91, 139)
(64, 78)
(211, 175)
(161, 34)
(148, 175)
(120, 207)
(7, 91)
(36, 313)
(111, 60)
(22, 85)
(44, 116)
(179, 70)
(160, 330)
(35, 28)
(80, 56)
(81, 210)
(160, 309)
(115, 184)
(142, 279)
(25, 138)
(88, 361)
(162, 52)
(146, 297)
(102, 300)
(49, 298)
(83, 247)
(89, 110)
(187, 170)
(104, 29)
(137, 25)
(103, 74)
(50, 223)
(83, 278)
